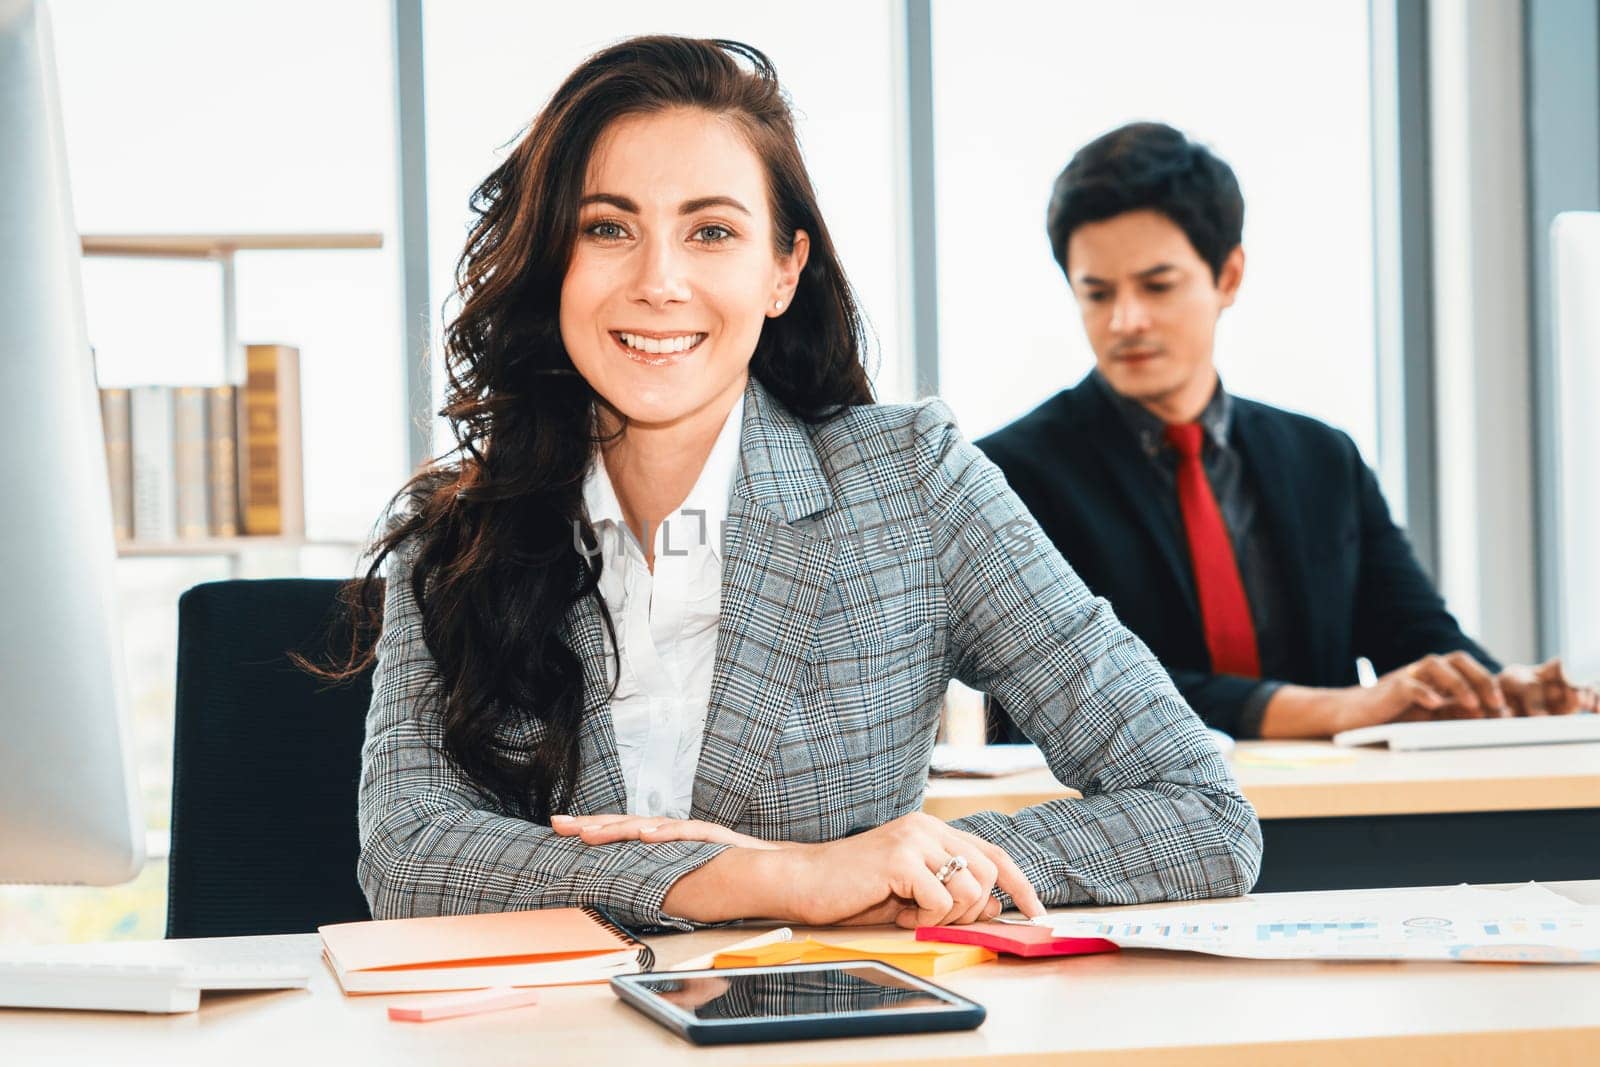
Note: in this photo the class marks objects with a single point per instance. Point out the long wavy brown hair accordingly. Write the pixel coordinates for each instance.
(488, 528)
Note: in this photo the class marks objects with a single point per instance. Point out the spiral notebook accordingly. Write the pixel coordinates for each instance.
(555, 946)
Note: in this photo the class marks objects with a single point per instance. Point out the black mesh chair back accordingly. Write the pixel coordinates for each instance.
(265, 764)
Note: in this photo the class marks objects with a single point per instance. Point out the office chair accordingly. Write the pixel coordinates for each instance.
(265, 764)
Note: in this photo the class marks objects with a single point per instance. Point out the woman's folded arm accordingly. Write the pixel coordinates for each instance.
(1161, 817)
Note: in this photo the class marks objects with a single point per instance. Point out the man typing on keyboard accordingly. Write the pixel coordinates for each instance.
(1250, 547)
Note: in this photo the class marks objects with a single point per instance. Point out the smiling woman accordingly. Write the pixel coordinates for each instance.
(677, 267)
(574, 704)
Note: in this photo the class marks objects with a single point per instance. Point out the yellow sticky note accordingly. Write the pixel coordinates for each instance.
(925, 958)
(764, 955)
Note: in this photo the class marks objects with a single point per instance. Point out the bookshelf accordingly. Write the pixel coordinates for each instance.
(222, 248)
(217, 245)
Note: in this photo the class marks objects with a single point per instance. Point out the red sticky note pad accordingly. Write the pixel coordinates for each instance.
(1016, 940)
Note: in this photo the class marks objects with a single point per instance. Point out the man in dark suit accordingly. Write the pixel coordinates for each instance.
(1250, 547)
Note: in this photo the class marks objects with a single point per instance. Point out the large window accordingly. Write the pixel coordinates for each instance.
(1281, 91)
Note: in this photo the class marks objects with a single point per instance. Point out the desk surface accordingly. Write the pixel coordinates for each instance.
(1129, 1008)
(1303, 780)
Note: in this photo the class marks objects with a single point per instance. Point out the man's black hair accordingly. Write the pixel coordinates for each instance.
(1149, 166)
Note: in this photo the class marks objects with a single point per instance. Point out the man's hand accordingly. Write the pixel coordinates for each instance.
(1468, 689)
(1545, 690)
(1453, 685)
(1448, 686)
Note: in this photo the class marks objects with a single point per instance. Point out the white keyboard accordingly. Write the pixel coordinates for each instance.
(96, 986)
(150, 976)
(1475, 733)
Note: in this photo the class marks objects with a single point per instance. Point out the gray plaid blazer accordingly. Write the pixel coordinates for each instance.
(866, 561)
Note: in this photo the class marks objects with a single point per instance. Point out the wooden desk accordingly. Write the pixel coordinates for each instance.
(1129, 1008)
(1352, 781)
(1371, 817)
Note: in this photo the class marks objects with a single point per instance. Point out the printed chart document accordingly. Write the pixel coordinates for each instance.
(1527, 924)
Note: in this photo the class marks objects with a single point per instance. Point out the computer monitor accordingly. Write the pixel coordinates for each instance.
(69, 809)
(1575, 252)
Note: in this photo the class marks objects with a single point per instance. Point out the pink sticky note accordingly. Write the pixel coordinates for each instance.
(474, 1003)
(1015, 939)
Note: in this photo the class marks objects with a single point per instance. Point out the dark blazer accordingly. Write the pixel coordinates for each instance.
(1352, 585)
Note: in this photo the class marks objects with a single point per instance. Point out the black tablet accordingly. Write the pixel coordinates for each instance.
(792, 1002)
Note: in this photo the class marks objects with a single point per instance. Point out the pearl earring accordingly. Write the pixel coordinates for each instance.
(777, 305)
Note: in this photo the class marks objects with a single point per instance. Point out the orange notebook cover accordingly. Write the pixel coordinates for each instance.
(554, 946)
(926, 960)
(1016, 940)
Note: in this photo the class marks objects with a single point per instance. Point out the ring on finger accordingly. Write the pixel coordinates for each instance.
(949, 869)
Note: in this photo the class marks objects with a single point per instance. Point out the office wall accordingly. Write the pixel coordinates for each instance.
(1576, 350)
(1563, 105)
(1481, 323)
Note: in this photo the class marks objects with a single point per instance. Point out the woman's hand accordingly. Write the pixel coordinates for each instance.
(604, 829)
(889, 874)
(885, 875)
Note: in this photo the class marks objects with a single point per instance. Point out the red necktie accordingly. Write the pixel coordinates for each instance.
(1224, 608)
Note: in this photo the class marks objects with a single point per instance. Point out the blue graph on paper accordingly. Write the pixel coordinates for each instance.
(1284, 931)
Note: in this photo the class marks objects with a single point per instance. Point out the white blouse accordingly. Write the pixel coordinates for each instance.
(666, 626)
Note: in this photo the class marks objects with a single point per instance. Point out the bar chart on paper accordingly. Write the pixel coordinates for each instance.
(1316, 930)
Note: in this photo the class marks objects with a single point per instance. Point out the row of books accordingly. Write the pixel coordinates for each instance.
(191, 462)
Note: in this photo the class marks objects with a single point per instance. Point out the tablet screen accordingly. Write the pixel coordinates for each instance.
(789, 992)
